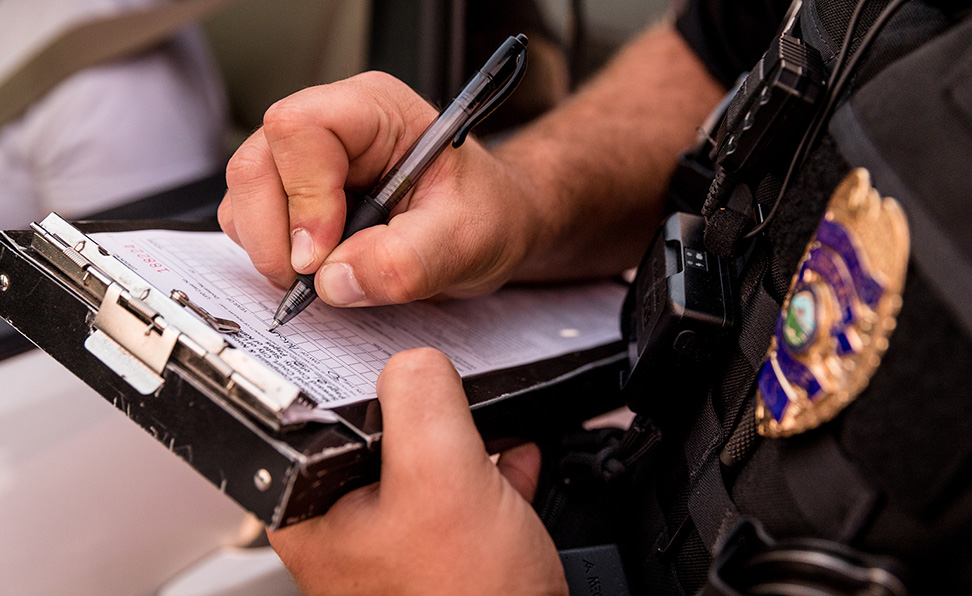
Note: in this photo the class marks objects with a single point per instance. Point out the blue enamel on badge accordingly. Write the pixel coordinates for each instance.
(840, 311)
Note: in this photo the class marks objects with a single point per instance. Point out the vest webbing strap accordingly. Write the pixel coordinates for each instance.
(94, 42)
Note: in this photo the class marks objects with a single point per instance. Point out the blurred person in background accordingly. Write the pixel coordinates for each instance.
(112, 133)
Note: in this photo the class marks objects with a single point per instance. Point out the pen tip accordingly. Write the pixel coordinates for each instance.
(274, 325)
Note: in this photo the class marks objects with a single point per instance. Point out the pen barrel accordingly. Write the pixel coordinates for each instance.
(481, 94)
(307, 279)
(399, 180)
(366, 213)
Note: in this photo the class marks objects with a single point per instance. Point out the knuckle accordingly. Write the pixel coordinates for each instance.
(246, 164)
(283, 119)
(376, 77)
(224, 213)
(386, 89)
(293, 115)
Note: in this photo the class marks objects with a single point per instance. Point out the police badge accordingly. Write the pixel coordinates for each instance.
(840, 311)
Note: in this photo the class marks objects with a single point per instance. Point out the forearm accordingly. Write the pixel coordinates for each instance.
(596, 169)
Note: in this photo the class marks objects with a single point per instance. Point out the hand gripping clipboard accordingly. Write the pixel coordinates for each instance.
(228, 415)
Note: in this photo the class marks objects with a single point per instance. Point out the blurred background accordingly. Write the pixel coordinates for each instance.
(89, 503)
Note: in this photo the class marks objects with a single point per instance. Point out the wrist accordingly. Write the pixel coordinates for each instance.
(541, 197)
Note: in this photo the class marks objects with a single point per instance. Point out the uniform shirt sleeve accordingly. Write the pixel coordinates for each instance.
(728, 36)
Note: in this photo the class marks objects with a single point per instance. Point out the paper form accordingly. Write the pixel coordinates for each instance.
(335, 354)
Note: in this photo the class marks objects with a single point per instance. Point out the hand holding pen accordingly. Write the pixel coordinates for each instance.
(484, 92)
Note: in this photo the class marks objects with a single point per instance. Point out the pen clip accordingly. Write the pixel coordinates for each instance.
(497, 98)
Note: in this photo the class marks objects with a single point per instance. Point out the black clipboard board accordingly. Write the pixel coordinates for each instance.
(51, 293)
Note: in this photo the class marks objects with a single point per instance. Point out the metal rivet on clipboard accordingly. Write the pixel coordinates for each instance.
(221, 325)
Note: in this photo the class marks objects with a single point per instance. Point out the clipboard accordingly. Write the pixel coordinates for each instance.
(232, 418)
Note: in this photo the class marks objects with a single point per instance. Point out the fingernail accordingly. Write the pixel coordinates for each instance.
(339, 285)
(301, 249)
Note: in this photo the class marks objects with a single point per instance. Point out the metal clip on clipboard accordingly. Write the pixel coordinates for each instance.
(155, 357)
(225, 412)
(139, 330)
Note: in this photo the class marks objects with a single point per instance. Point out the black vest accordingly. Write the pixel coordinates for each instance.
(891, 475)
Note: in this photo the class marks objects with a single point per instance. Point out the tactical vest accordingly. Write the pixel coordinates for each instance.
(885, 484)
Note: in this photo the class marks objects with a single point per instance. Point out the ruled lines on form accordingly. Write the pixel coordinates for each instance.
(335, 355)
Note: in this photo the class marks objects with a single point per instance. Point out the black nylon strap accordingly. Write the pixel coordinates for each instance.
(709, 504)
(713, 511)
(761, 312)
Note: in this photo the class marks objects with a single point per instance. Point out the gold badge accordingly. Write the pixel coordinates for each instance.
(840, 311)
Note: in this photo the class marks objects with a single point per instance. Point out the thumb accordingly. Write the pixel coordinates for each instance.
(428, 431)
(521, 468)
(385, 264)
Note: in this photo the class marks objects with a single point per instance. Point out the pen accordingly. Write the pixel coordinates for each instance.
(484, 92)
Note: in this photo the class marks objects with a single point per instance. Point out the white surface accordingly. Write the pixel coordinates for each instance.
(234, 572)
(335, 354)
(89, 502)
